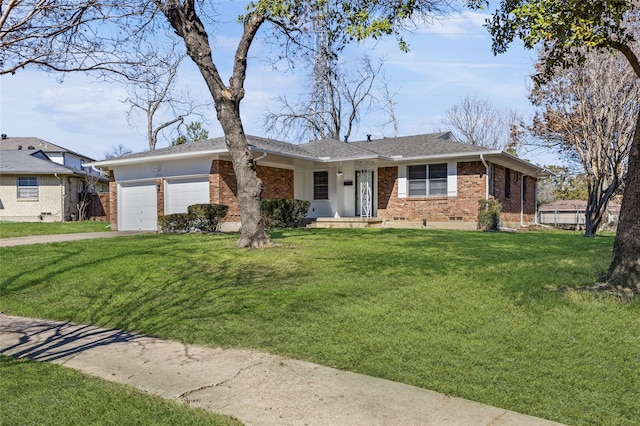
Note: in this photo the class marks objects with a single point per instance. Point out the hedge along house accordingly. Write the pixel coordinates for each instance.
(418, 181)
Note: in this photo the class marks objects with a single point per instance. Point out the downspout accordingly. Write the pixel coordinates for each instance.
(535, 201)
(255, 160)
(486, 177)
(522, 189)
(62, 195)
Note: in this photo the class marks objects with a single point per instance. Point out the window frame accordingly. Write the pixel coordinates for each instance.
(507, 183)
(24, 190)
(320, 188)
(429, 180)
(492, 179)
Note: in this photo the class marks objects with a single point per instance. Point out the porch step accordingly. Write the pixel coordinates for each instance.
(346, 222)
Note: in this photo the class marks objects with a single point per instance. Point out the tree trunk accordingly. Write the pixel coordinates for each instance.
(249, 187)
(624, 270)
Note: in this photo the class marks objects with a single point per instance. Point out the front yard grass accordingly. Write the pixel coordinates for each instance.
(39, 393)
(25, 229)
(470, 314)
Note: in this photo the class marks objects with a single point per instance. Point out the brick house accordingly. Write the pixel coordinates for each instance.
(414, 181)
(41, 181)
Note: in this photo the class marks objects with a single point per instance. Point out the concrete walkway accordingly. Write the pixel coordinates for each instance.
(257, 388)
(56, 238)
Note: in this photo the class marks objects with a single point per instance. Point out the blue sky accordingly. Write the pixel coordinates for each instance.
(448, 60)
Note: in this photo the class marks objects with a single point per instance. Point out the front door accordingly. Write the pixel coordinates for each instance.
(364, 193)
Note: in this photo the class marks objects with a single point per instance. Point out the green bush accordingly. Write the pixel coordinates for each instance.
(207, 216)
(175, 223)
(489, 214)
(199, 217)
(284, 212)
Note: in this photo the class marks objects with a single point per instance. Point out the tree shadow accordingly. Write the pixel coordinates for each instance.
(66, 339)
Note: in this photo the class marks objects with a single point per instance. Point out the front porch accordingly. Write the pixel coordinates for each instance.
(345, 222)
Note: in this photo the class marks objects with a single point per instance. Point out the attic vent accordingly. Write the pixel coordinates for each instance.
(4, 136)
(31, 147)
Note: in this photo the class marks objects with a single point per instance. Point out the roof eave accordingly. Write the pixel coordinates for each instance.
(159, 157)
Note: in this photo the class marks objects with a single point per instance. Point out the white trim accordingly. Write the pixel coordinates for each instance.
(402, 181)
(452, 179)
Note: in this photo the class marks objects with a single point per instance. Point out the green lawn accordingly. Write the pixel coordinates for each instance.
(471, 314)
(24, 229)
(39, 393)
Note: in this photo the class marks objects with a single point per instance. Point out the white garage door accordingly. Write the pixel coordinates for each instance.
(138, 207)
(180, 194)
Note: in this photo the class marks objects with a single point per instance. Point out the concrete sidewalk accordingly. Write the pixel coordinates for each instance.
(56, 238)
(257, 388)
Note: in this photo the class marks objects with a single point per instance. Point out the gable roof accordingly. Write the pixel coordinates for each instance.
(30, 163)
(31, 144)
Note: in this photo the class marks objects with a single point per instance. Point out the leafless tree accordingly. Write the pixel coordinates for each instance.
(477, 122)
(117, 151)
(156, 96)
(333, 103)
(588, 113)
(88, 191)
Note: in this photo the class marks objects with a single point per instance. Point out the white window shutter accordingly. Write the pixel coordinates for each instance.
(452, 179)
(402, 181)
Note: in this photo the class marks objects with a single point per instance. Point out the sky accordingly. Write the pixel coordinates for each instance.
(448, 60)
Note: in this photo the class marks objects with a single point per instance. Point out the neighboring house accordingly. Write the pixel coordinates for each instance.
(421, 181)
(36, 187)
(571, 214)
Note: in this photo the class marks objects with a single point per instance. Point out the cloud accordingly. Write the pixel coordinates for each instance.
(459, 25)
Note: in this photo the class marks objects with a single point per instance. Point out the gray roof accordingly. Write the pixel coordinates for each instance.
(420, 146)
(434, 145)
(30, 162)
(332, 149)
(31, 144)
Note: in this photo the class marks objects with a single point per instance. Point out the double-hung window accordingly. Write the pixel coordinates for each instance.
(28, 187)
(427, 180)
(321, 185)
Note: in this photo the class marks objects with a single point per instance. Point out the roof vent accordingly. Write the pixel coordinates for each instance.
(19, 146)
(369, 138)
(4, 136)
(31, 147)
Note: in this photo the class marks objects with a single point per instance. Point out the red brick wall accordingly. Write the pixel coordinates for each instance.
(463, 208)
(277, 183)
(511, 205)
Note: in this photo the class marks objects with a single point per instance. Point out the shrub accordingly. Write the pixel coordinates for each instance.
(284, 212)
(175, 223)
(199, 217)
(489, 214)
(207, 216)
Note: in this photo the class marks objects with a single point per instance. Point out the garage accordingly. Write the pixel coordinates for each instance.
(138, 207)
(182, 193)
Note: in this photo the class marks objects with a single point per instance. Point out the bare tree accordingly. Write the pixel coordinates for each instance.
(333, 102)
(109, 34)
(156, 96)
(117, 151)
(588, 113)
(477, 122)
(87, 193)
(70, 35)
